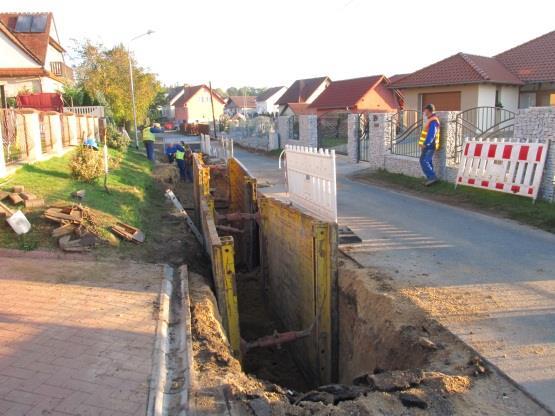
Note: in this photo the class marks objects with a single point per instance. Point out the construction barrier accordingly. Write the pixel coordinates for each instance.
(242, 200)
(201, 185)
(298, 260)
(503, 166)
(311, 180)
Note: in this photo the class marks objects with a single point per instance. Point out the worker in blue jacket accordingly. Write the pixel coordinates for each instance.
(429, 143)
(171, 149)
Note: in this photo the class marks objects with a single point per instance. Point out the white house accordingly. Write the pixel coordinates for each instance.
(31, 57)
(266, 102)
(241, 104)
(303, 91)
(173, 94)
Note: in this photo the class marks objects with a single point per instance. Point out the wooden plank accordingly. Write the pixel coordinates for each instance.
(64, 230)
(15, 199)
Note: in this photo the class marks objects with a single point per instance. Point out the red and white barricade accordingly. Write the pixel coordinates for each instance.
(510, 167)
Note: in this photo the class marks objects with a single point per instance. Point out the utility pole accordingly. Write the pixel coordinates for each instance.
(213, 115)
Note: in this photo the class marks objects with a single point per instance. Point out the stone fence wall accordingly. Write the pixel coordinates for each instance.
(537, 124)
(33, 129)
(307, 131)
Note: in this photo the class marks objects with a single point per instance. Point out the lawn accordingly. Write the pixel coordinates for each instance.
(133, 196)
(540, 214)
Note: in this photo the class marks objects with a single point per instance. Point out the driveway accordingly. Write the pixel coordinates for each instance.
(76, 336)
(490, 281)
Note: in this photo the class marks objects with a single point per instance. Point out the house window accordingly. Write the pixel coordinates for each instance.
(527, 99)
(545, 98)
(31, 23)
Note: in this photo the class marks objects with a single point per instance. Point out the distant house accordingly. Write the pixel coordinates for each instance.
(31, 57)
(194, 105)
(533, 63)
(266, 102)
(357, 95)
(172, 95)
(460, 82)
(242, 104)
(303, 91)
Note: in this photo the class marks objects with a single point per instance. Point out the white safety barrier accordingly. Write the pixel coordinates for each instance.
(311, 180)
(224, 150)
(503, 166)
(205, 143)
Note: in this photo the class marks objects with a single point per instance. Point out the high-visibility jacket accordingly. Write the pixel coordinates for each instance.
(430, 133)
(148, 135)
(179, 155)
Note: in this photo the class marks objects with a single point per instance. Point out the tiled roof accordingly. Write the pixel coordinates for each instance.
(461, 68)
(347, 92)
(301, 108)
(533, 61)
(22, 72)
(300, 90)
(190, 91)
(35, 44)
(268, 94)
(173, 92)
(242, 101)
(397, 77)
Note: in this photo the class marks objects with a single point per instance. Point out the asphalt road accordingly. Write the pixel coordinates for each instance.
(499, 274)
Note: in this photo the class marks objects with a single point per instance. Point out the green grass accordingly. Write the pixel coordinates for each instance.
(133, 195)
(540, 214)
(331, 142)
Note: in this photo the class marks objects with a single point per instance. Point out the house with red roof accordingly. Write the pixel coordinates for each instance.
(240, 104)
(266, 101)
(302, 91)
(357, 95)
(195, 106)
(32, 58)
(520, 77)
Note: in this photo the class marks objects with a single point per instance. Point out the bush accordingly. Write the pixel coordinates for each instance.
(86, 164)
(115, 139)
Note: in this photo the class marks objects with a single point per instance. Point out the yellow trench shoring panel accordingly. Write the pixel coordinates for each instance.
(243, 199)
(201, 184)
(299, 255)
(221, 253)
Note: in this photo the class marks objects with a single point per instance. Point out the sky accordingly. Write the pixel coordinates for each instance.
(269, 43)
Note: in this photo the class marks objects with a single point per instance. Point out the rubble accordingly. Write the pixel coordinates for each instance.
(128, 232)
(78, 230)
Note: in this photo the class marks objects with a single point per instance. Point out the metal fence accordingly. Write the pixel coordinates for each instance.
(332, 132)
(482, 123)
(363, 137)
(260, 126)
(14, 139)
(405, 129)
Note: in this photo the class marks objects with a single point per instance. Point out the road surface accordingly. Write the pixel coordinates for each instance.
(490, 281)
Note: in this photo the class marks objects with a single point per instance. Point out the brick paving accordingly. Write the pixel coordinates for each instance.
(76, 337)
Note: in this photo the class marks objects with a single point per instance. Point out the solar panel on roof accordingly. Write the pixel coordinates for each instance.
(39, 23)
(23, 23)
(31, 23)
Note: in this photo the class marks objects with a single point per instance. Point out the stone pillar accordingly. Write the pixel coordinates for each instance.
(446, 166)
(273, 140)
(283, 130)
(72, 129)
(379, 125)
(353, 136)
(2, 160)
(538, 124)
(52, 122)
(32, 131)
(308, 130)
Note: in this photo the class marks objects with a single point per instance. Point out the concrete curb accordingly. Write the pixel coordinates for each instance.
(190, 377)
(157, 383)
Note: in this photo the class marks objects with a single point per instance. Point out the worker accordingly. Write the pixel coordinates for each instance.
(170, 152)
(429, 143)
(148, 140)
(188, 164)
(180, 152)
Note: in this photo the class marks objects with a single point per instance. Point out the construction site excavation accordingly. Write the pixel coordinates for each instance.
(282, 322)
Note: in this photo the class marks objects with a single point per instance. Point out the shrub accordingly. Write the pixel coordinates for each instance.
(115, 139)
(86, 164)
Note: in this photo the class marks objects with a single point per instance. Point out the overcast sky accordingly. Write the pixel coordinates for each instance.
(267, 43)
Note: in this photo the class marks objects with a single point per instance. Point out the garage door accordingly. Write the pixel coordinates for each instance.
(444, 101)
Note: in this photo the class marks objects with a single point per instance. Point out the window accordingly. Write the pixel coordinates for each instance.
(35, 23)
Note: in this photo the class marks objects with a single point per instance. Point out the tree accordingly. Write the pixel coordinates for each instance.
(255, 91)
(104, 76)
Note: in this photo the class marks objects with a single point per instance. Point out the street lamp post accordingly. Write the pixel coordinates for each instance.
(148, 32)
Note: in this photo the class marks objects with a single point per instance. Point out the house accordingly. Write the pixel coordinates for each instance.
(243, 104)
(460, 82)
(195, 106)
(32, 58)
(357, 95)
(172, 95)
(297, 109)
(266, 102)
(302, 91)
(533, 63)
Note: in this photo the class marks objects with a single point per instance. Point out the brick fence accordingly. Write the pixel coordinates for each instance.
(536, 124)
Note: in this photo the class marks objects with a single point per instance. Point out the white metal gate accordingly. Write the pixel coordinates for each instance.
(311, 180)
(503, 166)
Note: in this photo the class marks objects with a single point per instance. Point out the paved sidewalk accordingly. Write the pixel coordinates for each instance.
(491, 281)
(76, 337)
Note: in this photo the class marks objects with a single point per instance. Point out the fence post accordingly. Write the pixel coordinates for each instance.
(72, 129)
(353, 133)
(308, 130)
(2, 159)
(283, 130)
(32, 131)
(448, 140)
(55, 130)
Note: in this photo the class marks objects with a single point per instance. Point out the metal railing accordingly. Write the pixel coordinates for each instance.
(91, 110)
(293, 125)
(332, 132)
(363, 137)
(405, 129)
(482, 122)
(60, 69)
(13, 141)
